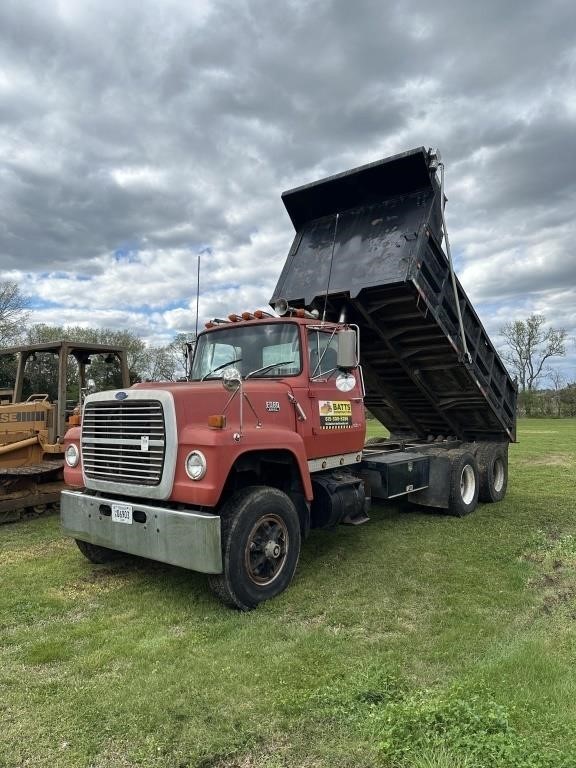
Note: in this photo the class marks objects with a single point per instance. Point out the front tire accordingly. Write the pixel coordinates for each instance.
(260, 547)
(464, 485)
(96, 554)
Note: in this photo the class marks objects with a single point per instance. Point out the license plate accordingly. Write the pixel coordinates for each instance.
(122, 513)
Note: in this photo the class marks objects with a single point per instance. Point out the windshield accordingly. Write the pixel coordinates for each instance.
(259, 350)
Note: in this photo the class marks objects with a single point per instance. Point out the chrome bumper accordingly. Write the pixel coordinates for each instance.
(188, 539)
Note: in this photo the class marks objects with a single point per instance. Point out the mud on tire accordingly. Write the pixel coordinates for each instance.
(464, 485)
(97, 554)
(493, 469)
(260, 547)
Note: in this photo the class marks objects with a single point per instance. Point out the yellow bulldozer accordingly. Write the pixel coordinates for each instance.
(32, 430)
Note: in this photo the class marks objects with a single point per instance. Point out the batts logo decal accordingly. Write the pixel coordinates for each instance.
(121, 395)
(335, 414)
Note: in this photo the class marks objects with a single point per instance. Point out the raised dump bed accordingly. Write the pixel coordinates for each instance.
(368, 242)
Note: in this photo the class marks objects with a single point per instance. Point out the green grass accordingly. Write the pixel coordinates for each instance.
(418, 640)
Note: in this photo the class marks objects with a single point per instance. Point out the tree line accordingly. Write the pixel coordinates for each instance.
(528, 347)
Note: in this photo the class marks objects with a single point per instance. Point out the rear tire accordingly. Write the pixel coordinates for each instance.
(260, 547)
(464, 485)
(96, 554)
(493, 468)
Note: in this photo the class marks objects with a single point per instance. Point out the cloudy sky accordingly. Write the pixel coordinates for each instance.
(135, 135)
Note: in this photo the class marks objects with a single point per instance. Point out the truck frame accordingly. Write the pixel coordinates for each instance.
(226, 473)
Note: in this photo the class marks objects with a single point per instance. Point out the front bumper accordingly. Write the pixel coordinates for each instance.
(188, 539)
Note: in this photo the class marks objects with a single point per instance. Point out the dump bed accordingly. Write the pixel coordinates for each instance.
(369, 241)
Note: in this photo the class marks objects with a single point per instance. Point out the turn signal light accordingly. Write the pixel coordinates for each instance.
(218, 421)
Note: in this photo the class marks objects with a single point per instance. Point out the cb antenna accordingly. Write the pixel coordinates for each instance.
(197, 296)
(330, 270)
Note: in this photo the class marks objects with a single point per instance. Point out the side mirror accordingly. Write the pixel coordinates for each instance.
(347, 349)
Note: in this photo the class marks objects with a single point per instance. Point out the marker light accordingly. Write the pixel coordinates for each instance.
(218, 421)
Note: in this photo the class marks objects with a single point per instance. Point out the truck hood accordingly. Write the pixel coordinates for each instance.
(195, 401)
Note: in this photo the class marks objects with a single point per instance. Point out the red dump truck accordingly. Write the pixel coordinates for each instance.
(226, 473)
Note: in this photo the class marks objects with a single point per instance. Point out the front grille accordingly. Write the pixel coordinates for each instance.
(124, 442)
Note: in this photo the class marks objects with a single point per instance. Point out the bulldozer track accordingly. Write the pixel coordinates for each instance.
(29, 492)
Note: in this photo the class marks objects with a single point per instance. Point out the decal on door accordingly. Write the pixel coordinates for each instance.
(335, 414)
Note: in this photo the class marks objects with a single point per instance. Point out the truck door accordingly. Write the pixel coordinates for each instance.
(335, 400)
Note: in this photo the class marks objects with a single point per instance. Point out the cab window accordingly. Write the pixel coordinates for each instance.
(257, 351)
(323, 351)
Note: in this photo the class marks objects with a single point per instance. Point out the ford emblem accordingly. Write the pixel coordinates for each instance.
(121, 395)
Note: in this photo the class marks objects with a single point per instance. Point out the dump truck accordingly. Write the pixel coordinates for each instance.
(32, 429)
(227, 473)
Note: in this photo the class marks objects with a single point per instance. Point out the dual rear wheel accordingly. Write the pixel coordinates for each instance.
(483, 477)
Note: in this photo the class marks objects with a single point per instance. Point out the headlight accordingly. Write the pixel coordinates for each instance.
(196, 465)
(72, 455)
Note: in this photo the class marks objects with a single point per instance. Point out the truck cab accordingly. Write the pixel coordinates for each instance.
(271, 401)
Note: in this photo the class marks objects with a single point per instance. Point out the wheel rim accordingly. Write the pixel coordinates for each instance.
(266, 549)
(467, 484)
(498, 475)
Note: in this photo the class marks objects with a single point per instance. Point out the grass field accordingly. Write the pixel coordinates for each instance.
(418, 640)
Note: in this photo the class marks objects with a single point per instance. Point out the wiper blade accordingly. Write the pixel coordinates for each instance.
(219, 367)
(267, 368)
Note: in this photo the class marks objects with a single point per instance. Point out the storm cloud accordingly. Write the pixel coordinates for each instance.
(136, 135)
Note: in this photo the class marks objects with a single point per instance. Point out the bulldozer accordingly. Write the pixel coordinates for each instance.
(32, 429)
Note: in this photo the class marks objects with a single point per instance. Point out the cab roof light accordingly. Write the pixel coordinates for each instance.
(234, 318)
(247, 316)
(209, 324)
(260, 313)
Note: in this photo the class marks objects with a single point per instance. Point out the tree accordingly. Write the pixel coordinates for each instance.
(179, 351)
(558, 384)
(529, 344)
(13, 315)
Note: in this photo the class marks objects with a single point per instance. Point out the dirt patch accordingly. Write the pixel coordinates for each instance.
(562, 596)
(543, 431)
(554, 554)
(98, 581)
(551, 460)
(269, 755)
(16, 556)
